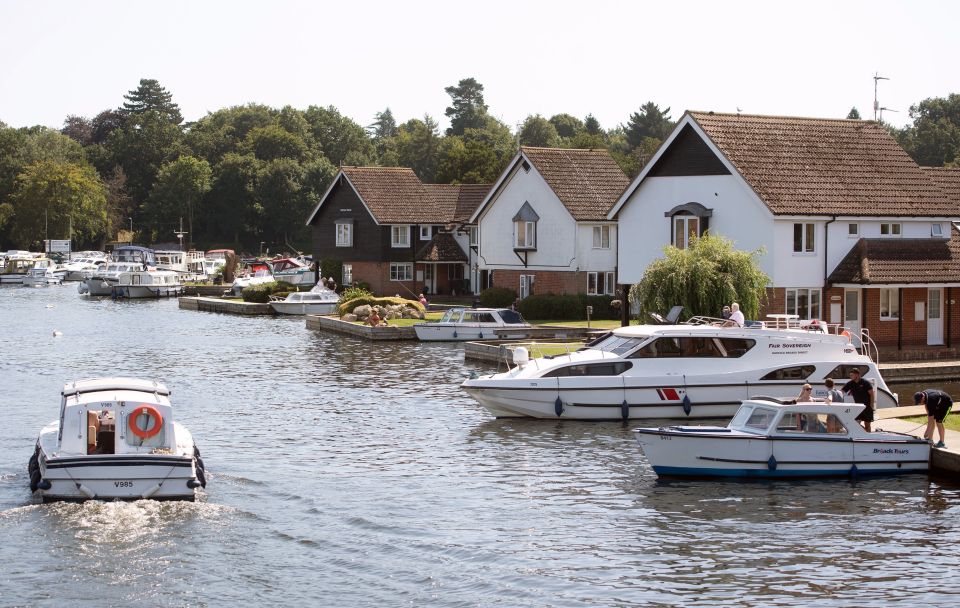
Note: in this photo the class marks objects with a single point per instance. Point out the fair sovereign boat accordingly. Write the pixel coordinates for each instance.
(768, 438)
(692, 370)
(473, 324)
(115, 439)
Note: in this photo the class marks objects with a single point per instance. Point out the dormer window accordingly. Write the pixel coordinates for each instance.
(890, 229)
(525, 228)
(687, 222)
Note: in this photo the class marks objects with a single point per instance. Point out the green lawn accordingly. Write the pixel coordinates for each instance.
(951, 422)
(594, 324)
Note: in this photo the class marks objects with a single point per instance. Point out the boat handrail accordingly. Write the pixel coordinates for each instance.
(505, 354)
(868, 346)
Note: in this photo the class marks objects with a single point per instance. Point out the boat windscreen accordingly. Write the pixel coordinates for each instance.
(618, 345)
(511, 316)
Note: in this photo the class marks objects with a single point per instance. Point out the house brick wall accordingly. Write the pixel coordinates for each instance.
(377, 276)
(554, 282)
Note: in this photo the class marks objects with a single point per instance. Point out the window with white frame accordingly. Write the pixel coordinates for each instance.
(344, 234)
(400, 236)
(936, 230)
(805, 303)
(526, 285)
(600, 283)
(601, 237)
(425, 233)
(853, 230)
(889, 304)
(526, 235)
(890, 229)
(803, 238)
(401, 271)
(685, 229)
(474, 235)
(346, 278)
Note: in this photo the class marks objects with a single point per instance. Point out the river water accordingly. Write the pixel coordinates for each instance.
(349, 473)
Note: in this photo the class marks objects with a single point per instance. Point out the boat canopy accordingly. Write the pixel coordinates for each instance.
(114, 384)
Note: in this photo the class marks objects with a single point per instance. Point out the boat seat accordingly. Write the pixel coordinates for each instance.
(93, 429)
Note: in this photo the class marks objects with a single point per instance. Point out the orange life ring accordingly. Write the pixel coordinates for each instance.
(847, 334)
(150, 411)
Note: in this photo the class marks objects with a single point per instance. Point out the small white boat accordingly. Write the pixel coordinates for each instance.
(295, 271)
(115, 439)
(147, 284)
(19, 263)
(260, 276)
(473, 324)
(41, 277)
(317, 301)
(81, 269)
(770, 438)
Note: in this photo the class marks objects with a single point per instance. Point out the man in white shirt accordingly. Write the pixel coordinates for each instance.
(735, 315)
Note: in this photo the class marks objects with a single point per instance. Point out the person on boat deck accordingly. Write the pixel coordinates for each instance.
(736, 317)
(938, 405)
(726, 312)
(834, 395)
(806, 394)
(862, 392)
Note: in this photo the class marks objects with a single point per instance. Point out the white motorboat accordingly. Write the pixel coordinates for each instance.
(115, 439)
(259, 277)
(147, 284)
(769, 438)
(697, 369)
(103, 281)
(41, 277)
(295, 271)
(474, 324)
(318, 301)
(19, 263)
(82, 268)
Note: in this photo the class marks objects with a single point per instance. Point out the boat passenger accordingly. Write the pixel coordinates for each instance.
(862, 392)
(938, 405)
(834, 395)
(736, 317)
(806, 394)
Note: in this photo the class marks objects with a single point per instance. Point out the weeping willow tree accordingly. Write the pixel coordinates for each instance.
(704, 277)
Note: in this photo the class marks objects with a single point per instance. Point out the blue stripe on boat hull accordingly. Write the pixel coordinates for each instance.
(768, 474)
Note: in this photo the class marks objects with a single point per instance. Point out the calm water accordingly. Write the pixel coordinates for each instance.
(347, 473)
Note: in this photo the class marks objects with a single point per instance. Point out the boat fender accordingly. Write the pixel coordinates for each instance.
(44, 484)
(193, 484)
(34, 480)
(454, 333)
(772, 463)
(558, 406)
(853, 470)
(144, 433)
(86, 491)
(201, 472)
(687, 406)
(152, 490)
(624, 410)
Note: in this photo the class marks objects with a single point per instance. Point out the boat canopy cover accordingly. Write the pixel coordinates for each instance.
(107, 384)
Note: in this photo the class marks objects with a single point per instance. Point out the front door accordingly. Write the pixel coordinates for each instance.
(851, 314)
(934, 316)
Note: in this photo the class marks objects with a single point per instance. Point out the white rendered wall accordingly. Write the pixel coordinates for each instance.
(556, 229)
(590, 259)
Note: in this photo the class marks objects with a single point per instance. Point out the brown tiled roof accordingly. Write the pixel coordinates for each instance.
(587, 182)
(442, 248)
(820, 166)
(896, 261)
(457, 202)
(949, 181)
(394, 195)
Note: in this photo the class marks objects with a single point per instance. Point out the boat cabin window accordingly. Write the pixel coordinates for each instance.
(511, 316)
(607, 368)
(808, 422)
(617, 344)
(478, 317)
(452, 315)
(100, 431)
(736, 347)
(760, 419)
(796, 372)
(694, 346)
(843, 372)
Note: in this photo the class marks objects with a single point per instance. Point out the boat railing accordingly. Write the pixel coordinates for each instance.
(868, 347)
(535, 352)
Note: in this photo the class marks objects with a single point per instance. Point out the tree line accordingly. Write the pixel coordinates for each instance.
(247, 176)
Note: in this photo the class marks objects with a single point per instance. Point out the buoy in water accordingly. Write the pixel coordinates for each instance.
(57, 333)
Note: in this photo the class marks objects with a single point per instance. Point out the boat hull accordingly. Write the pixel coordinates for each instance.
(656, 398)
(298, 308)
(451, 332)
(146, 291)
(42, 282)
(118, 477)
(12, 278)
(711, 452)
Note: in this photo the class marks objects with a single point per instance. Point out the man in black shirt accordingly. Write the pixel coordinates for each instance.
(937, 404)
(862, 392)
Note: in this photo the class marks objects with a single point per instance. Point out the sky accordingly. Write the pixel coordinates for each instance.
(812, 58)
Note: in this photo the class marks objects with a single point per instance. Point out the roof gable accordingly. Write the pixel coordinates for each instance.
(587, 182)
(688, 155)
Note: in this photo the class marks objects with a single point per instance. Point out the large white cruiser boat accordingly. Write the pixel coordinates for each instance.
(699, 369)
(115, 439)
(104, 281)
(147, 284)
(768, 438)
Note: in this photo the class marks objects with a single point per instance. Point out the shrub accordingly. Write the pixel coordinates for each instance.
(497, 297)
(259, 294)
(347, 306)
(353, 292)
(572, 307)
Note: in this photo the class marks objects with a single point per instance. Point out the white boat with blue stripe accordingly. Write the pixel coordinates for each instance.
(770, 438)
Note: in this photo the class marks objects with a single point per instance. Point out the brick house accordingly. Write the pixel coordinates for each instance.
(853, 230)
(543, 225)
(397, 234)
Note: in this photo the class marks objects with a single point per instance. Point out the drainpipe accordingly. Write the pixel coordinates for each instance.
(900, 320)
(826, 251)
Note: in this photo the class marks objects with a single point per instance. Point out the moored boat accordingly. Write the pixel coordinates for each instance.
(473, 324)
(138, 284)
(115, 439)
(698, 369)
(770, 438)
(318, 301)
(41, 277)
(295, 271)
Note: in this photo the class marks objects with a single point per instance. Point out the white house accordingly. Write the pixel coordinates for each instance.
(542, 228)
(810, 193)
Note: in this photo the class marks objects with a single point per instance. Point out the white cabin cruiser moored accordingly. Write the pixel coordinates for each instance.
(473, 324)
(115, 439)
(693, 370)
(318, 301)
(768, 438)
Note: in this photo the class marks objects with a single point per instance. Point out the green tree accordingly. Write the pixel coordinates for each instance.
(478, 157)
(231, 212)
(145, 142)
(79, 129)
(592, 125)
(285, 202)
(854, 113)
(933, 140)
(273, 142)
(704, 277)
(538, 131)
(417, 145)
(51, 196)
(467, 109)
(650, 121)
(567, 126)
(180, 187)
(383, 128)
(119, 203)
(151, 97)
(342, 140)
